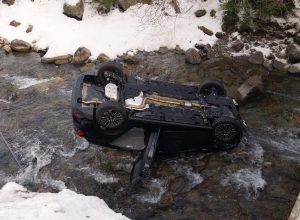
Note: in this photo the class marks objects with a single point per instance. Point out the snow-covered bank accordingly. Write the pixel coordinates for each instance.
(113, 34)
(17, 203)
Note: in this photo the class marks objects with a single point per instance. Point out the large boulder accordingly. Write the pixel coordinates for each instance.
(251, 87)
(294, 69)
(293, 53)
(20, 46)
(74, 11)
(81, 55)
(256, 58)
(8, 2)
(192, 56)
(125, 4)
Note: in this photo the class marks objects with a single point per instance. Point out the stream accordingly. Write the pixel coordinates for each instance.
(257, 180)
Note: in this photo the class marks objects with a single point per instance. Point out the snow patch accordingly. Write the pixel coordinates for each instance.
(17, 203)
(113, 34)
(72, 2)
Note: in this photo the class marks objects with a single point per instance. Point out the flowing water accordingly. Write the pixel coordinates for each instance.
(257, 180)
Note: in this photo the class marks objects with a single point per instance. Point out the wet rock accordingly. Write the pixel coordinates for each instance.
(294, 69)
(29, 29)
(179, 185)
(166, 199)
(251, 87)
(219, 34)
(213, 13)
(297, 39)
(58, 59)
(20, 46)
(296, 118)
(267, 65)
(7, 49)
(256, 58)
(8, 2)
(206, 30)
(14, 23)
(271, 56)
(125, 4)
(81, 55)
(87, 67)
(192, 56)
(200, 13)
(237, 45)
(131, 59)
(293, 53)
(279, 65)
(74, 11)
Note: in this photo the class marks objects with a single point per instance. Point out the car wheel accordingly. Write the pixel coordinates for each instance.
(111, 117)
(212, 87)
(109, 72)
(227, 133)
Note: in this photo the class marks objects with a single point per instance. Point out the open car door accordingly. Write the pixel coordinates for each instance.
(142, 164)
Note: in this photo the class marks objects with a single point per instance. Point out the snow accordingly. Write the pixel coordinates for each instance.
(18, 203)
(72, 2)
(112, 34)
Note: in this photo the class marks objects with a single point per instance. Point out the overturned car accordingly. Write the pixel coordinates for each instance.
(127, 113)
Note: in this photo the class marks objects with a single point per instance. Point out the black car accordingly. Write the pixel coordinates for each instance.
(123, 112)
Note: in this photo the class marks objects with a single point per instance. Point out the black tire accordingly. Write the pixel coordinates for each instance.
(227, 133)
(109, 72)
(212, 87)
(111, 117)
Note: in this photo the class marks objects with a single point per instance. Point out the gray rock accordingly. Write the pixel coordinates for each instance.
(7, 49)
(219, 34)
(163, 50)
(192, 56)
(131, 59)
(213, 13)
(5, 41)
(200, 13)
(57, 59)
(256, 58)
(251, 87)
(103, 57)
(81, 55)
(125, 4)
(206, 30)
(20, 46)
(14, 23)
(29, 28)
(237, 45)
(294, 69)
(74, 11)
(279, 65)
(267, 66)
(8, 2)
(293, 53)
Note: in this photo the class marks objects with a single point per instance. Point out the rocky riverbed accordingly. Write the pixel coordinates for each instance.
(257, 180)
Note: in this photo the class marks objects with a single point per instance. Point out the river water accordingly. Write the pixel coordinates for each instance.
(257, 180)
